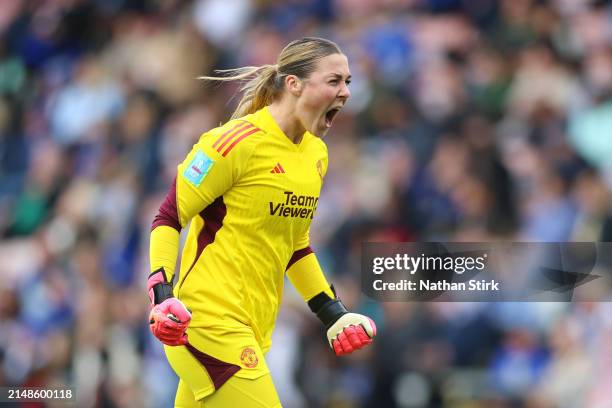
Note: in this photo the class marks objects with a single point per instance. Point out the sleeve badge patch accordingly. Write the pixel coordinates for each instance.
(198, 168)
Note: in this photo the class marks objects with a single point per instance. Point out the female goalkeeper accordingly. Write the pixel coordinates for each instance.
(249, 190)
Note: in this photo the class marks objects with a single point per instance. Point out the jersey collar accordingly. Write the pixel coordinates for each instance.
(272, 127)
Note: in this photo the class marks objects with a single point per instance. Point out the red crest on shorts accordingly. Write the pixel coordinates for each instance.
(249, 357)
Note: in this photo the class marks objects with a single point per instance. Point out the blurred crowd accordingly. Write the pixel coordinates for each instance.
(470, 120)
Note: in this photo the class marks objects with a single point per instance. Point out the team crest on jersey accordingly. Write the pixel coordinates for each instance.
(249, 357)
(198, 168)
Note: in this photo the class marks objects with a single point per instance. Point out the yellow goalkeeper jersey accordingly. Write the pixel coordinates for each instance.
(249, 195)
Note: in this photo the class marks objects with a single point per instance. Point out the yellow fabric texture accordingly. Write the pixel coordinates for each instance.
(247, 183)
(307, 277)
(236, 392)
(163, 249)
(241, 392)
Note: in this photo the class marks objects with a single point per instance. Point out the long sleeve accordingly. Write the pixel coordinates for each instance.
(306, 275)
(165, 231)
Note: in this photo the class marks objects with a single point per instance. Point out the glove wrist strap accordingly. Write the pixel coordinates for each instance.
(331, 312)
(328, 310)
(161, 292)
(159, 287)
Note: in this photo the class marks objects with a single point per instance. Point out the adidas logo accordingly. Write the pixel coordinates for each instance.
(277, 169)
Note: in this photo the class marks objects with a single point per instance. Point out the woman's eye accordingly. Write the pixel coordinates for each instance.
(347, 82)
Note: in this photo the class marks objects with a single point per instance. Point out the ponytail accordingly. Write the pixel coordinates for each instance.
(260, 88)
(262, 85)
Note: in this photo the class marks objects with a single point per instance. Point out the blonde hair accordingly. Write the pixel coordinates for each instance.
(262, 85)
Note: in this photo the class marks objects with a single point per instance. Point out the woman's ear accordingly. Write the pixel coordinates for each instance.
(294, 85)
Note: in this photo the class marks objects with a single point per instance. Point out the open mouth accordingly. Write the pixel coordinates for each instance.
(330, 115)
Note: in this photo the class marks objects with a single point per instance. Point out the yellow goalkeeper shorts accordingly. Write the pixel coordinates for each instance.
(221, 367)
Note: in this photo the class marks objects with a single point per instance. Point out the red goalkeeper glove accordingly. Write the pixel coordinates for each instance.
(346, 332)
(169, 317)
(351, 332)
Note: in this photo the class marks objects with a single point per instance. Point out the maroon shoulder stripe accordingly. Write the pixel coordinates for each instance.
(235, 133)
(226, 133)
(238, 140)
(299, 254)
